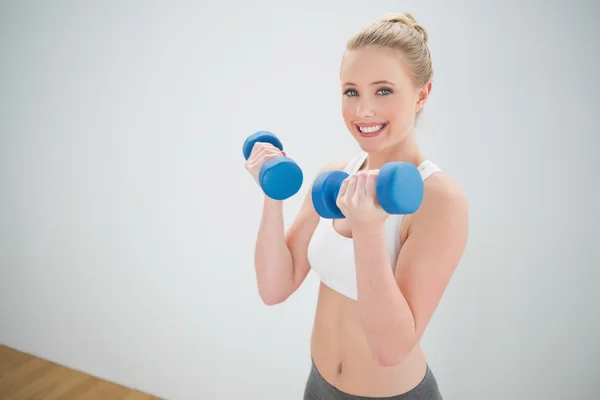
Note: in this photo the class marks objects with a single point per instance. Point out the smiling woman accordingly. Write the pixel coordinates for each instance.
(382, 276)
(386, 77)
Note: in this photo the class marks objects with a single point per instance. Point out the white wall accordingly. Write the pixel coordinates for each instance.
(128, 220)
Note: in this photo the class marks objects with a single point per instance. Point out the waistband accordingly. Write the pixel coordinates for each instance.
(317, 387)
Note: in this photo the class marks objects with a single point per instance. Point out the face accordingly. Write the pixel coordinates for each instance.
(379, 100)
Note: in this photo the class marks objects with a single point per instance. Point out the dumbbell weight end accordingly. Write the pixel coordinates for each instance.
(325, 191)
(399, 188)
(280, 178)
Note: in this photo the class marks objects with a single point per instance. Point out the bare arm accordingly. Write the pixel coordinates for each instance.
(395, 308)
(281, 258)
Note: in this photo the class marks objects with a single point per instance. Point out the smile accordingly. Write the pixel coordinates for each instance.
(370, 130)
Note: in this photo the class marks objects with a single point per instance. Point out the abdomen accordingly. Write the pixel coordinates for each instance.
(342, 355)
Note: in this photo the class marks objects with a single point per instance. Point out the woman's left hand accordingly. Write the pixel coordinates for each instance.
(357, 199)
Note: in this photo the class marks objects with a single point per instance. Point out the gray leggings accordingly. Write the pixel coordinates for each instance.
(318, 388)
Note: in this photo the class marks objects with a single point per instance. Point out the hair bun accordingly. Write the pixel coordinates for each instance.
(403, 18)
(407, 19)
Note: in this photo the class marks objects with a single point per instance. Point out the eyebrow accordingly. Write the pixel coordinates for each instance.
(372, 83)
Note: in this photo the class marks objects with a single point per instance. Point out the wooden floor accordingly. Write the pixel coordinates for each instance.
(25, 377)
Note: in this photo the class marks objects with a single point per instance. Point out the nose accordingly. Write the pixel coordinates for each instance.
(364, 109)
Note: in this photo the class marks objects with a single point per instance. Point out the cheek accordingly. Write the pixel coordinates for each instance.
(397, 108)
(348, 110)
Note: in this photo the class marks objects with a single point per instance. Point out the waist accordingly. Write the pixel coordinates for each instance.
(342, 355)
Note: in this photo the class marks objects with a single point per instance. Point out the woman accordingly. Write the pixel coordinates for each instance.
(382, 276)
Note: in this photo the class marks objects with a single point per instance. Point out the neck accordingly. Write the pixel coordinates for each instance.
(406, 151)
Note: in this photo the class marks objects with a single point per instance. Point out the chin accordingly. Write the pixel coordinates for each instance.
(370, 147)
(375, 144)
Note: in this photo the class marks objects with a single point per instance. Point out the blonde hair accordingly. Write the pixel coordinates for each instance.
(399, 31)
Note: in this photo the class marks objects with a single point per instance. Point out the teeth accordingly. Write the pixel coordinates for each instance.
(370, 129)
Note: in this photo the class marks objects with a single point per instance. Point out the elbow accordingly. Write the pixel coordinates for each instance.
(272, 298)
(388, 357)
(272, 301)
(392, 353)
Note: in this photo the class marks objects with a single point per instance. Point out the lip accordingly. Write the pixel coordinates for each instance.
(368, 124)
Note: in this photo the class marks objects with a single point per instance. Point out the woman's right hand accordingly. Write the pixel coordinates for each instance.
(261, 153)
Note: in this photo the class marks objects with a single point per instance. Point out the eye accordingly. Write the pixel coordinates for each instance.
(384, 91)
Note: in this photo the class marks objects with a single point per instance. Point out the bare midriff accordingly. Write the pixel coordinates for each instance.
(341, 353)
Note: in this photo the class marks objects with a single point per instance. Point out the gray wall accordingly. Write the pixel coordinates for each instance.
(128, 220)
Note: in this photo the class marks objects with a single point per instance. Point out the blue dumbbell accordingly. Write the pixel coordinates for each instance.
(399, 190)
(280, 177)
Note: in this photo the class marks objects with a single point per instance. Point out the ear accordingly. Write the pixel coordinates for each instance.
(422, 95)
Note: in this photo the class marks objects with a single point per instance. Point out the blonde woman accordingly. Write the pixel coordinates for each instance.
(382, 276)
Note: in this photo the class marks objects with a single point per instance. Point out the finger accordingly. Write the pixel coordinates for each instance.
(371, 186)
(340, 201)
(257, 158)
(274, 151)
(352, 181)
(256, 149)
(363, 183)
(257, 152)
(343, 188)
(358, 186)
(261, 148)
(359, 192)
(267, 157)
(260, 159)
(264, 154)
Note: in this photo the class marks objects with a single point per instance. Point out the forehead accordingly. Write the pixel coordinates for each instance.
(370, 64)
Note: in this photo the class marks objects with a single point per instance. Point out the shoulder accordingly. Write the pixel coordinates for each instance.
(443, 190)
(445, 207)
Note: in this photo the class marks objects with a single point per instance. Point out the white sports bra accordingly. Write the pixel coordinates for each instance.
(331, 255)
